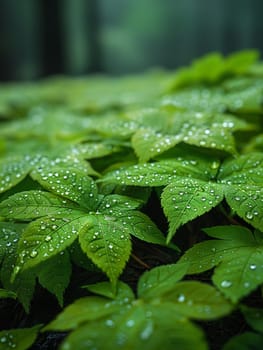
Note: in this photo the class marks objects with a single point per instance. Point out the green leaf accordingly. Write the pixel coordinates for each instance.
(94, 307)
(34, 204)
(240, 62)
(81, 311)
(47, 237)
(254, 317)
(5, 294)
(107, 243)
(74, 185)
(19, 339)
(54, 274)
(246, 201)
(184, 163)
(245, 341)
(199, 129)
(141, 226)
(92, 150)
(159, 280)
(81, 259)
(185, 199)
(246, 169)
(243, 182)
(232, 233)
(140, 327)
(13, 170)
(240, 257)
(24, 285)
(114, 204)
(197, 300)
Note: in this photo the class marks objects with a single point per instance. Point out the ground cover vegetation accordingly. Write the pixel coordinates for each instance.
(131, 209)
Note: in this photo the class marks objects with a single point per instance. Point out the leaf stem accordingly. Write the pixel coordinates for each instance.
(142, 263)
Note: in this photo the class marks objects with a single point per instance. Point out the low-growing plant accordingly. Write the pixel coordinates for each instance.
(132, 209)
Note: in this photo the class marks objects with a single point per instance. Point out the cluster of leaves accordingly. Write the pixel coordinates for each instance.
(90, 167)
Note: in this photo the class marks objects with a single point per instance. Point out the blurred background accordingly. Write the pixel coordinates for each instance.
(39, 38)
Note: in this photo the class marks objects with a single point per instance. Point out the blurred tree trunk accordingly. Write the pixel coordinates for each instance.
(52, 58)
(20, 55)
(81, 28)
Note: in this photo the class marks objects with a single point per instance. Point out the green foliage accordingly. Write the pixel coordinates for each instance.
(126, 322)
(103, 177)
(20, 339)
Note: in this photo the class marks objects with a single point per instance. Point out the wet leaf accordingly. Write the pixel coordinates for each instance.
(139, 327)
(19, 339)
(197, 300)
(237, 255)
(185, 199)
(107, 244)
(160, 279)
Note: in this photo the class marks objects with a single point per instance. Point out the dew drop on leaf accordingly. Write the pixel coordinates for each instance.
(33, 254)
(109, 323)
(249, 215)
(246, 284)
(226, 284)
(253, 267)
(130, 323)
(181, 298)
(146, 333)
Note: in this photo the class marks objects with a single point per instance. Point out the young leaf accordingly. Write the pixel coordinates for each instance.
(240, 256)
(19, 339)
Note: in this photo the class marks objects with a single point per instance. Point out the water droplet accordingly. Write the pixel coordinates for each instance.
(226, 284)
(3, 339)
(146, 333)
(249, 215)
(130, 323)
(181, 298)
(109, 323)
(33, 254)
(253, 267)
